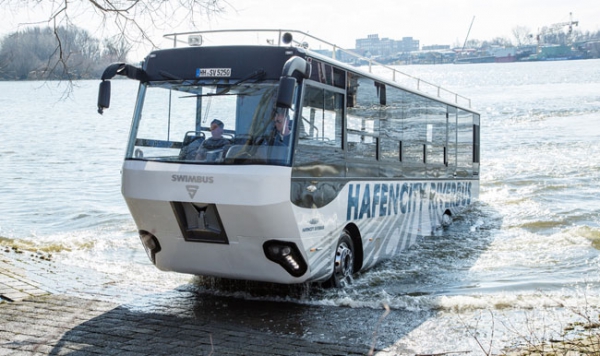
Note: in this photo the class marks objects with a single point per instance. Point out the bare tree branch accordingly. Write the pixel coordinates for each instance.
(130, 20)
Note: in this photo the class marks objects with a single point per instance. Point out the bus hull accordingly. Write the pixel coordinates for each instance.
(388, 216)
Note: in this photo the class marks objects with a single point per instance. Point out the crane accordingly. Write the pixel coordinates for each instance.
(555, 27)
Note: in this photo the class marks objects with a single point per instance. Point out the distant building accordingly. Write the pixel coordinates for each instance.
(436, 47)
(373, 46)
(369, 45)
(408, 44)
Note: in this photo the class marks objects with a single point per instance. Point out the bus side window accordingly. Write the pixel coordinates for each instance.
(464, 143)
(319, 152)
(320, 123)
(363, 120)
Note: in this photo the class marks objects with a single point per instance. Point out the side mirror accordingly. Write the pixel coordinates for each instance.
(285, 96)
(103, 96)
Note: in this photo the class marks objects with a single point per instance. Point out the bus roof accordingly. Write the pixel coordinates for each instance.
(306, 44)
(240, 61)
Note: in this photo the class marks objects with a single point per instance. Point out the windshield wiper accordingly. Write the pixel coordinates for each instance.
(257, 74)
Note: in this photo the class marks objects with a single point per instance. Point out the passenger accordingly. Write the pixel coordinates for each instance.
(214, 143)
(282, 127)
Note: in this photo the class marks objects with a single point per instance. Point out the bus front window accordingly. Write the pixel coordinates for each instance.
(212, 123)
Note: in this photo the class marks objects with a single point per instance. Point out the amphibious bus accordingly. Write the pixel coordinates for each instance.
(366, 163)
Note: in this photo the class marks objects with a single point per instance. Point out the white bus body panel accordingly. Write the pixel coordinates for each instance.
(253, 208)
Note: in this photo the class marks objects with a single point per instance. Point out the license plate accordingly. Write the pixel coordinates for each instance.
(213, 72)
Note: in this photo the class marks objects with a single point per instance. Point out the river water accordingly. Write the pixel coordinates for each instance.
(524, 257)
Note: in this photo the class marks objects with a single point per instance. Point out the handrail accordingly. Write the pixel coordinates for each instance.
(417, 83)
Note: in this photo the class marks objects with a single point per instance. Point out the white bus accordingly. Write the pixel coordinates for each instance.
(364, 165)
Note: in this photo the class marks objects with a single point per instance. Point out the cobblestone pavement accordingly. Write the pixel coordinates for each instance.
(57, 325)
(36, 317)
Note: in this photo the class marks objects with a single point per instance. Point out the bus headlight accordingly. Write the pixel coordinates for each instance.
(287, 255)
(151, 245)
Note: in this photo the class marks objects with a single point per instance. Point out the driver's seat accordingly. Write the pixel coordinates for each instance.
(191, 142)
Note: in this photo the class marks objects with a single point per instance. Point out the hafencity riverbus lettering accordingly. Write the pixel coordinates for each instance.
(369, 200)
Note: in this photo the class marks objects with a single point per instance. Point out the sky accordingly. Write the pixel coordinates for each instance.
(341, 22)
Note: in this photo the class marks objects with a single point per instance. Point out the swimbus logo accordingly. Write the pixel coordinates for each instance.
(183, 178)
(192, 189)
(377, 199)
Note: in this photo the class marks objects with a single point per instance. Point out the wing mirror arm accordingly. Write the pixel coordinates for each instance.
(294, 70)
(127, 70)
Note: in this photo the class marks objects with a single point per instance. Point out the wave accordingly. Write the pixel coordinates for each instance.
(571, 296)
(21, 245)
(592, 234)
(105, 237)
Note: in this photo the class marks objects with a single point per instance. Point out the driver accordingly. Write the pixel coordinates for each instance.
(282, 127)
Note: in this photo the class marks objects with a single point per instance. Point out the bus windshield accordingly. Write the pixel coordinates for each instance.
(212, 123)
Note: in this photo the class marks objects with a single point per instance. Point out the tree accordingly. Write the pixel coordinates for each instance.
(26, 51)
(32, 54)
(116, 49)
(132, 19)
(501, 41)
(474, 43)
(522, 35)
